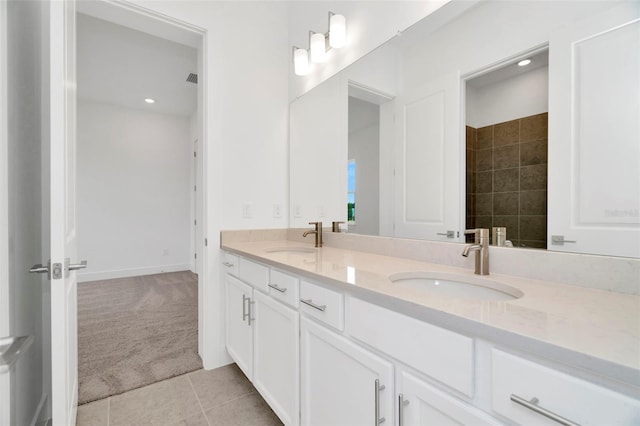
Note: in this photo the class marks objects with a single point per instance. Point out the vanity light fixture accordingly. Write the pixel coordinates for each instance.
(300, 61)
(320, 44)
(524, 62)
(337, 30)
(318, 47)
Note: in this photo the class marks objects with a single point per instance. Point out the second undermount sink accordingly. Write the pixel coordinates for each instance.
(457, 286)
(291, 250)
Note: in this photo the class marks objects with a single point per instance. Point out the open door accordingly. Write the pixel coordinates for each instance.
(64, 345)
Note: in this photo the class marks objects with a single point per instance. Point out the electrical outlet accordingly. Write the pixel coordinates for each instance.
(247, 211)
(277, 211)
(297, 211)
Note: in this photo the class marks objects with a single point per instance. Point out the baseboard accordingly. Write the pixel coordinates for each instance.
(123, 273)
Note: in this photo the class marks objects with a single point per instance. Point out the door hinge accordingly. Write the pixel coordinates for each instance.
(194, 187)
(195, 255)
(206, 242)
(194, 154)
(195, 222)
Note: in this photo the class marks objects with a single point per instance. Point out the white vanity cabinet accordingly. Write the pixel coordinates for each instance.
(276, 360)
(239, 330)
(420, 403)
(342, 383)
(554, 393)
(263, 333)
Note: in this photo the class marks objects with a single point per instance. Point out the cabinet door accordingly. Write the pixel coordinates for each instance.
(594, 154)
(338, 380)
(276, 357)
(423, 404)
(239, 331)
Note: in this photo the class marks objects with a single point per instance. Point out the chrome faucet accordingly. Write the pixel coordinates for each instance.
(481, 247)
(317, 231)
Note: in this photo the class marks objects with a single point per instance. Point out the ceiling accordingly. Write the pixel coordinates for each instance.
(510, 70)
(121, 66)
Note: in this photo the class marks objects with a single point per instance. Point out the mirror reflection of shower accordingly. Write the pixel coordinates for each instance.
(506, 150)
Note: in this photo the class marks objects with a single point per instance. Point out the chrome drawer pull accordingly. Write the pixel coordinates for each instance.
(275, 287)
(378, 388)
(401, 404)
(533, 406)
(244, 307)
(313, 305)
(228, 265)
(251, 303)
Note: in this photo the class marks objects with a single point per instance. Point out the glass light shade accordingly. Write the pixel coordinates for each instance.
(301, 61)
(337, 31)
(318, 48)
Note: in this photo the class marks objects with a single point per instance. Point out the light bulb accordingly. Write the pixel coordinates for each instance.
(524, 62)
(318, 48)
(337, 31)
(301, 61)
(149, 100)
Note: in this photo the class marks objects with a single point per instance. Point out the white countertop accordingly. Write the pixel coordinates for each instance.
(602, 325)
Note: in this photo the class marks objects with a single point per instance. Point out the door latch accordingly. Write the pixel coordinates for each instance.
(53, 271)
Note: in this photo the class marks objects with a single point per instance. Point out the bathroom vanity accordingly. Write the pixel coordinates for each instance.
(341, 336)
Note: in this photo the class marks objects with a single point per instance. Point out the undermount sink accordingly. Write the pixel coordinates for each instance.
(457, 286)
(291, 250)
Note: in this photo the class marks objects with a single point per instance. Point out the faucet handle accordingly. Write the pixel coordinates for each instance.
(335, 226)
(316, 224)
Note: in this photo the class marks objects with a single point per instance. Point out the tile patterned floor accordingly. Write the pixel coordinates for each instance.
(201, 398)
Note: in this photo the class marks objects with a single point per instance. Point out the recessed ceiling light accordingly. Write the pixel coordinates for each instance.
(150, 101)
(524, 62)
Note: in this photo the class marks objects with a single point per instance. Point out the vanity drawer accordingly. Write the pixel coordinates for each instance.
(574, 399)
(284, 287)
(442, 354)
(254, 273)
(230, 263)
(323, 304)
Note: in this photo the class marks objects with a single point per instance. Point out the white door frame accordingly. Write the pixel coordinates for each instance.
(5, 388)
(160, 25)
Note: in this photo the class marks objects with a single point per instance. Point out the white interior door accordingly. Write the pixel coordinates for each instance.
(64, 345)
(428, 161)
(594, 134)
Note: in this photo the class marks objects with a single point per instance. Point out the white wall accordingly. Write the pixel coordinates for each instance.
(245, 79)
(26, 34)
(134, 191)
(520, 96)
(364, 148)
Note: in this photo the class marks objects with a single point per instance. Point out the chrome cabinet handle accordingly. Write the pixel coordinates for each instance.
(227, 264)
(244, 307)
(533, 406)
(251, 303)
(313, 305)
(275, 287)
(401, 404)
(378, 388)
(76, 266)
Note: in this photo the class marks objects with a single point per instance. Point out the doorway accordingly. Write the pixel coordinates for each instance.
(506, 116)
(140, 209)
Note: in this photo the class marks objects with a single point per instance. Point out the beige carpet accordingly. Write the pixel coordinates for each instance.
(136, 331)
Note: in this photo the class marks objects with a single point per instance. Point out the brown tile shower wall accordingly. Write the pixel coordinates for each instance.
(507, 179)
